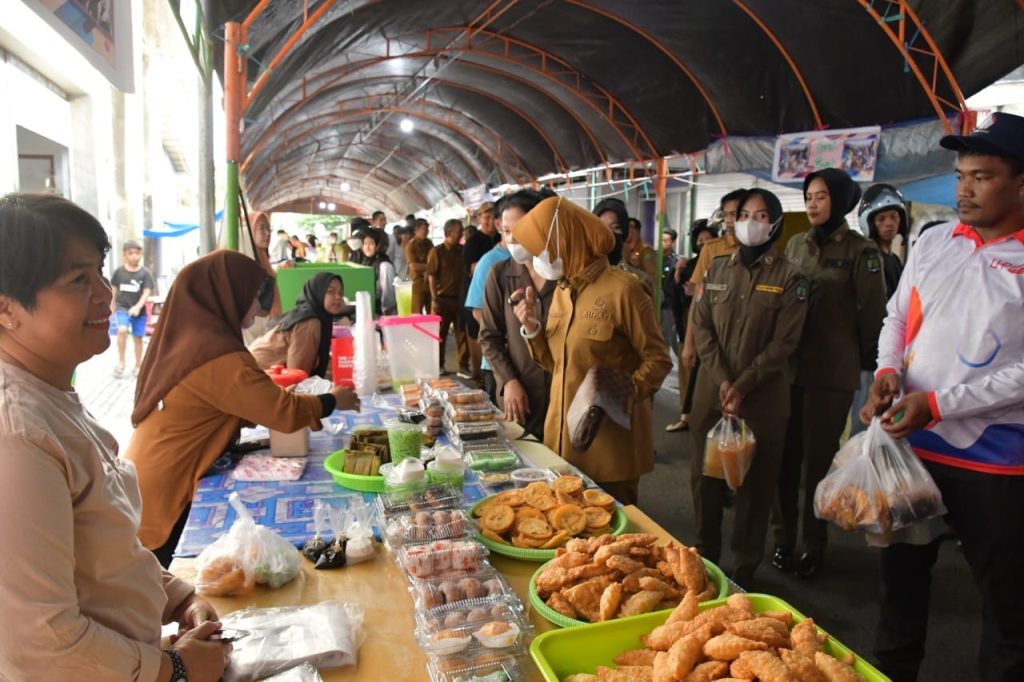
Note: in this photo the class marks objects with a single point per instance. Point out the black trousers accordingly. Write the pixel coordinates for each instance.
(165, 552)
(987, 512)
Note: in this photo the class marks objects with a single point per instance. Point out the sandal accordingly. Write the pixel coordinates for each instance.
(680, 425)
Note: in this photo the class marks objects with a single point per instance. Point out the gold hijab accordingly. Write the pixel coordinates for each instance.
(581, 237)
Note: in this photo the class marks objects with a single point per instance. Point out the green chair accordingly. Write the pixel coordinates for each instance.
(355, 278)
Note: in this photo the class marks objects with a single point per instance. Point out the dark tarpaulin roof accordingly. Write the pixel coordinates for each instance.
(505, 91)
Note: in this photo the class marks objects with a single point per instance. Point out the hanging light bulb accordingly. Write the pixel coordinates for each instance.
(345, 187)
(406, 125)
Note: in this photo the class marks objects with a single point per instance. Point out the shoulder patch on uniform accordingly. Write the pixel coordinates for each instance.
(872, 261)
(803, 289)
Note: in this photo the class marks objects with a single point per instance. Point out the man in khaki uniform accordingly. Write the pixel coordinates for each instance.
(747, 323)
(416, 252)
(445, 270)
(847, 306)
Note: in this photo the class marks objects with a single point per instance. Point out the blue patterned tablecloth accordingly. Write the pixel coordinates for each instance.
(286, 506)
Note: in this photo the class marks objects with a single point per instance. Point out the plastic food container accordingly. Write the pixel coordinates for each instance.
(470, 413)
(479, 666)
(403, 440)
(486, 631)
(492, 460)
(437, 558)
(461, 590)
(288, 444)
(476, 610)
(438, 473)
(470, 431)
(439, 496)
(425, 526)
(524, 477)
(407, 477)
(412, 346)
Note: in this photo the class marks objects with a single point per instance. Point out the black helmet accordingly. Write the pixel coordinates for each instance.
(880, 198)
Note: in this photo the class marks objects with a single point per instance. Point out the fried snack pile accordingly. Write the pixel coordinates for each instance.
(610, 577)
(546, 516)
(728, 642)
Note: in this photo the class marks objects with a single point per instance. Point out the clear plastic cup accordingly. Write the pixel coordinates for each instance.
(403, 440)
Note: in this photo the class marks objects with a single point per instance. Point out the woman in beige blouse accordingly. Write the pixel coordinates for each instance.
(85, 599)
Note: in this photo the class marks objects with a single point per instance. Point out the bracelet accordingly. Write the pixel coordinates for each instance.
(179, 674)
(526, 335)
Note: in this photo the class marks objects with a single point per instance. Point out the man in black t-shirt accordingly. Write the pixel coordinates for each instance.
(132, 286)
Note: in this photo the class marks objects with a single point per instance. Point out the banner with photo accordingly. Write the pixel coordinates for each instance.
(855, 150)
(101, 30)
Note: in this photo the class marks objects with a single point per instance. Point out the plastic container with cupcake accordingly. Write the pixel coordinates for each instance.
(430, 594)
(427, 526)
(435, 559)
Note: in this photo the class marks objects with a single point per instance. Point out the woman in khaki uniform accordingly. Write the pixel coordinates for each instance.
(747, 321)
(599, 316)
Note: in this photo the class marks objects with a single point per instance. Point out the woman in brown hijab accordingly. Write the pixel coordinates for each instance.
(599, 317)
(197, 387)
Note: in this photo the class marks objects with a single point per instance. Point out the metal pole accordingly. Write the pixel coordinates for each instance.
(207, 191)
(662, 216)
(233, 86)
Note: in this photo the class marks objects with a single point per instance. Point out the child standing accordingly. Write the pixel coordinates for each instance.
(132, 284)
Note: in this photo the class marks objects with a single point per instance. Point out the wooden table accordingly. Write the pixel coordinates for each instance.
(390, 652)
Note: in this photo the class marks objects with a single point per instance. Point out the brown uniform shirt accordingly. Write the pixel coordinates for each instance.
(503, 345)
(603, 317)
(747, 324)
(725, 245)
(847, 306)
(417, 251)
(445, 265)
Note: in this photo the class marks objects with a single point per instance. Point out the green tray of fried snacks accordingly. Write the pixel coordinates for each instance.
(335, 464)
(560, 653)
(618, 524)
(715, 575)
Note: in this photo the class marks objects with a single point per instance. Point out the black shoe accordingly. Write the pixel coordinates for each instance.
(782, 558)
(808, 565)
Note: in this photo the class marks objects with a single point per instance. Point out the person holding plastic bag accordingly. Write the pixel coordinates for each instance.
(199, 385)
(82, 598)
(949, 380)
(747, 317)
(599, 317)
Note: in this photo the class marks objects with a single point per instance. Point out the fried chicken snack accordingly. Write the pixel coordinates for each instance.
(708, 671)
(835, 670)
(802, 667)
(763, 666)
(728, 647)
(805, 638)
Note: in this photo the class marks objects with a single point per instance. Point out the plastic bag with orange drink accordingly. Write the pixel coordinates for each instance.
(729, 451)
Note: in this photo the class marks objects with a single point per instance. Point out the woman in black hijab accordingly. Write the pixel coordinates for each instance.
(383, 272)
(301, 338)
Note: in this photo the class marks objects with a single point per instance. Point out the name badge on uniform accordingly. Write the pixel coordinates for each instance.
(872, 263)
(843, 263)
(711, 286)
(767, 288)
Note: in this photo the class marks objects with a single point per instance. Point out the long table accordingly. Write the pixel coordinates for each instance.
(390, 652)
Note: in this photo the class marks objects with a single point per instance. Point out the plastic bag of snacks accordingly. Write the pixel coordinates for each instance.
(729, 451)
(302, 673)
(247, 554)
(877, 484)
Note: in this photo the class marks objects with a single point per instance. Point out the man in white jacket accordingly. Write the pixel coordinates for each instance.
(953, 346)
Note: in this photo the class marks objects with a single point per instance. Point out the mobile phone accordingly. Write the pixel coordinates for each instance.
(229, 635)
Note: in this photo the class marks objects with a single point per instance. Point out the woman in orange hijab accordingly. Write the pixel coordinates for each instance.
(199, 384)
(599, 317)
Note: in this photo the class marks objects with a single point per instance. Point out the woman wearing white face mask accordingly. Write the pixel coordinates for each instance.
(599, 317)
(747, 323)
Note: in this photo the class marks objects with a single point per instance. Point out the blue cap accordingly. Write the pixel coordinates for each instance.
(1000, 135)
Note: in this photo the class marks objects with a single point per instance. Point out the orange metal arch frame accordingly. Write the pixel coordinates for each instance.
(267, 134)
(295, 181)
(899, 37)
(347, 70)
(498, 152)
(334, 118)
(664, 50)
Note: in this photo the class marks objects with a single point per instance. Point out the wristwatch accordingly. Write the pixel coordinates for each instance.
(179, 674)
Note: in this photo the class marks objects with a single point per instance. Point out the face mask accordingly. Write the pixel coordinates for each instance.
(519, 253)
(355, 243)
(752, 232)
(552, 271)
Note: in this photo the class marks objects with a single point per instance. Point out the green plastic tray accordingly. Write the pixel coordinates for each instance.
(335, 464)
(561, 653)
(619, 524)
(715, 574)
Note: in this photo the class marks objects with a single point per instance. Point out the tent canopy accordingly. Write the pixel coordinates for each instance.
(505, 91)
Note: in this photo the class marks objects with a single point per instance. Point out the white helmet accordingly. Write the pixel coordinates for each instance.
(879, 198)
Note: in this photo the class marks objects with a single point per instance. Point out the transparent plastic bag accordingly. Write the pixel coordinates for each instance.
(247, 554)
(877, 484)
(302, 673)
(729, 451)
(326, 635)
